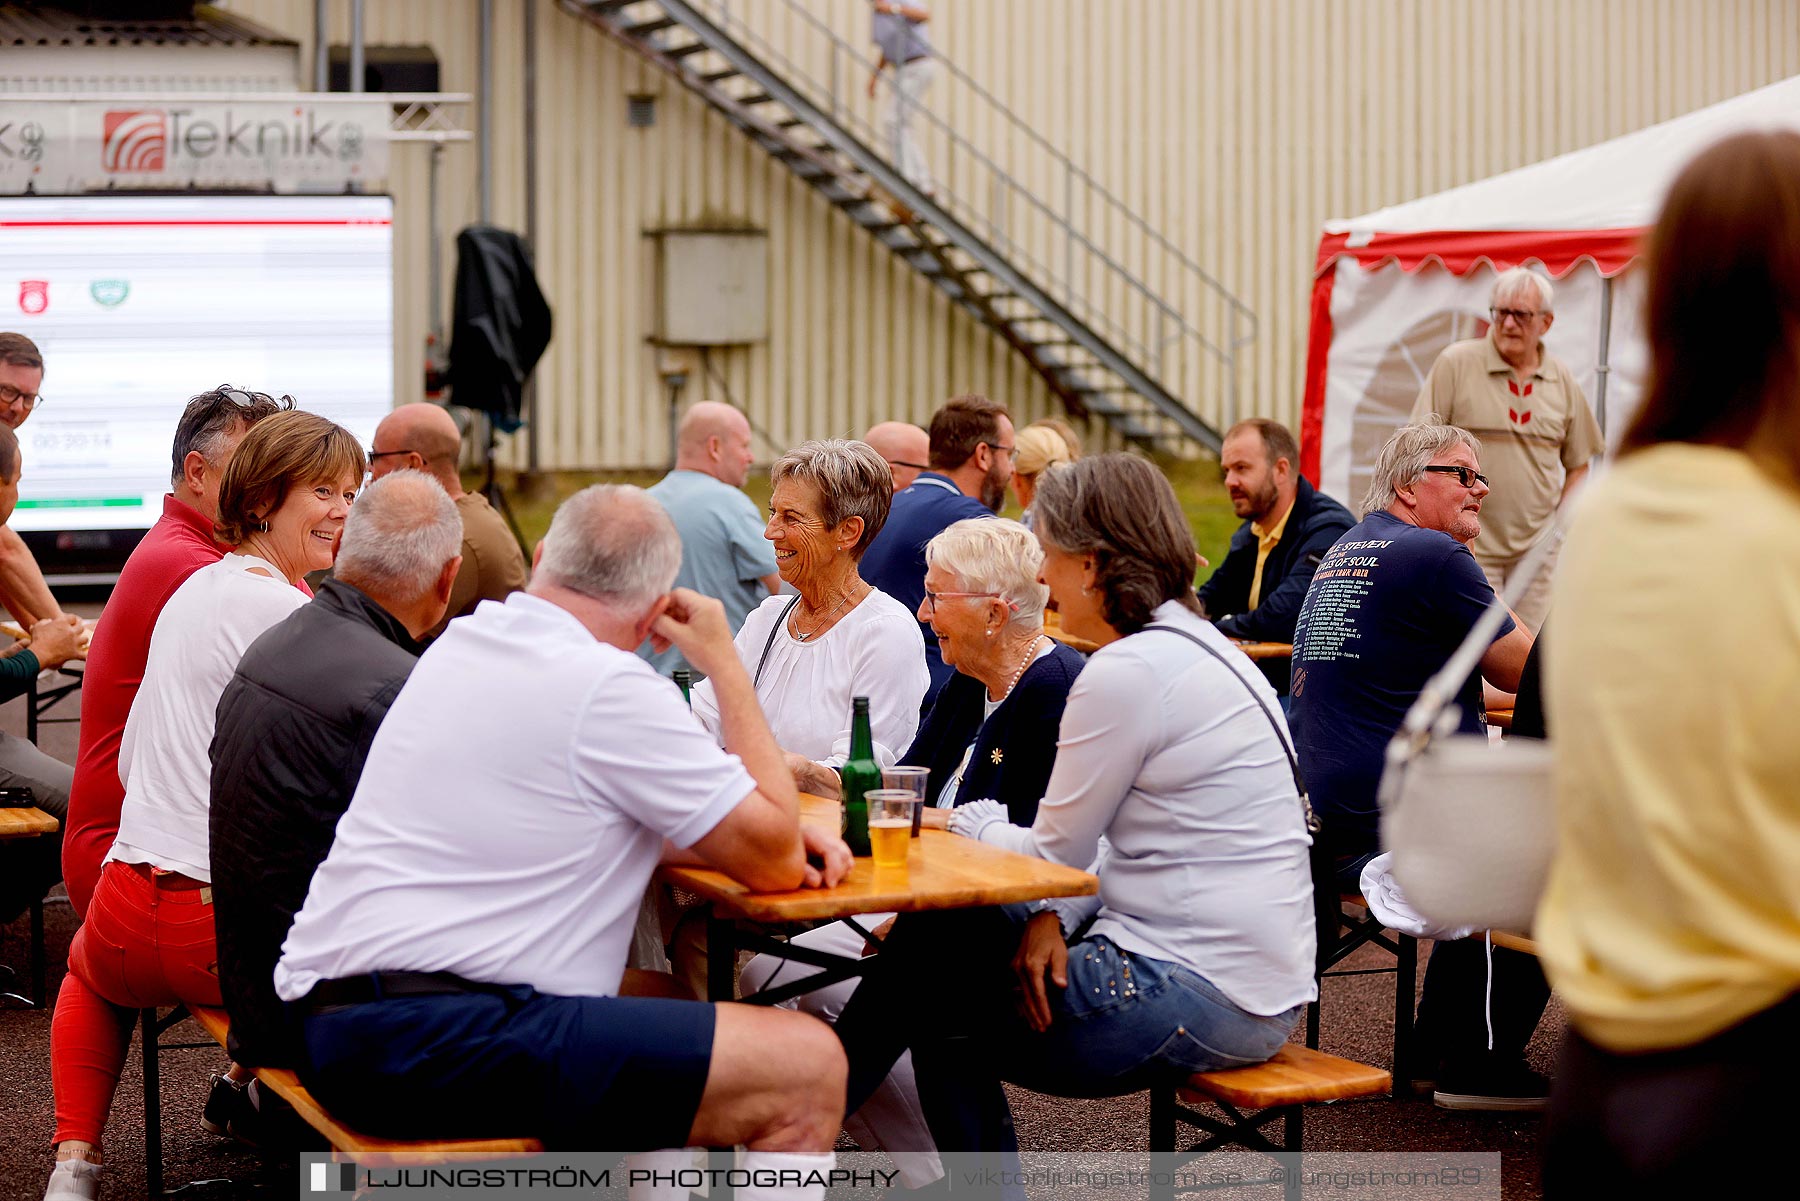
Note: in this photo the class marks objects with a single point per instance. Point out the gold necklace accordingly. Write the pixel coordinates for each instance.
(794, 622)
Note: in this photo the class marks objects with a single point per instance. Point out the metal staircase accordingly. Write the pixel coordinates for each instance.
(1126, 359)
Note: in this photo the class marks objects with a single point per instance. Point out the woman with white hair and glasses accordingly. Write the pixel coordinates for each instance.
(991, 734)
(808, 655)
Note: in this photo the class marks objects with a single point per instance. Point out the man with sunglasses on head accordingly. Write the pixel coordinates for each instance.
(1387, 607)
(178, 545)
(1525, 406)
(22, 587)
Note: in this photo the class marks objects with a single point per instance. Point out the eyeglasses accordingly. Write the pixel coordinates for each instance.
(997, 449)
(904, 463)
(1522, 316)
(932, 598)
(28, 401)
(1468, 477)
(387, 454)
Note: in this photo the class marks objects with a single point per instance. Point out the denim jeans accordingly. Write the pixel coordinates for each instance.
(944, 983)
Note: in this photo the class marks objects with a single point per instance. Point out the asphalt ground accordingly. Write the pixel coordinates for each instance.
(1358, 1024)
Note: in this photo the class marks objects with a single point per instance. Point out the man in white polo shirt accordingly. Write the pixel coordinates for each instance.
(456, 962)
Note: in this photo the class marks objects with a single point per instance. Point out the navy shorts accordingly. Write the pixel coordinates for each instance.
(580, 1073)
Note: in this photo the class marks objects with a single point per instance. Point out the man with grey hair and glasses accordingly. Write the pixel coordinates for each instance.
(1387, 607)
(22, 587)
(295, 724)
(1525, 405)
(457, 963)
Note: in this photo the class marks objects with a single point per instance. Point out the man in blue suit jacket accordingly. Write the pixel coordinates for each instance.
(971, 464)
(1257, 591)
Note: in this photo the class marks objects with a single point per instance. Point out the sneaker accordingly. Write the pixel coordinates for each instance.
(73, 1180)
(231, 1110)
(1509, 1089)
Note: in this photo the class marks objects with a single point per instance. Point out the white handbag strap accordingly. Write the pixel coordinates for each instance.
(1307, 816)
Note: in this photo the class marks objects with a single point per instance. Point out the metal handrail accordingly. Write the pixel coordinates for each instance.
(1163, 325)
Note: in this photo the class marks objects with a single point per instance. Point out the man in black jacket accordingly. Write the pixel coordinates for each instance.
(294, 729)
(1257, 591)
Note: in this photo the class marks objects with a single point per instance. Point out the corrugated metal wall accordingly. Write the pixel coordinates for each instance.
(1235, 127)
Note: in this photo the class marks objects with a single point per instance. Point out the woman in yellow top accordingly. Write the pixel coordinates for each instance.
(1671, 927)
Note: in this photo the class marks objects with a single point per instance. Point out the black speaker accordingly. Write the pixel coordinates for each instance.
(387, 69)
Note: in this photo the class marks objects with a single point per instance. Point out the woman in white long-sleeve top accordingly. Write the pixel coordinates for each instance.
(1173, 782)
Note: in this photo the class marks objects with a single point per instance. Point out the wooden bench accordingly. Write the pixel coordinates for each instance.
(1296, 1077)
(1514, 942)
(368, 1149)
(25, 823)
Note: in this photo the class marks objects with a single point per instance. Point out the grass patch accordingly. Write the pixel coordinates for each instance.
(1196, 484)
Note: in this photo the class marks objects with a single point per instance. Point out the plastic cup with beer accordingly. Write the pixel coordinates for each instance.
(891, 813)
(913, 780)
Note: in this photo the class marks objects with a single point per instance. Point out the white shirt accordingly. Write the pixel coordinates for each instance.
(165, 755)
(512, 809)
(1204, 856)
(875, 650)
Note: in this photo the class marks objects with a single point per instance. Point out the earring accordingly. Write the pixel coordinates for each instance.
(990, 631)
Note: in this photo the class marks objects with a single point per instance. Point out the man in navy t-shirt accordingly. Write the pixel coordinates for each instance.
(971, 464)
(1387, 607)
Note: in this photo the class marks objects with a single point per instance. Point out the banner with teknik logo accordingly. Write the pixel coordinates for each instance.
(71, 146)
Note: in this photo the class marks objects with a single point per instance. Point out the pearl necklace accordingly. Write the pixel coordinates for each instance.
(794, 624)
(1030, 654)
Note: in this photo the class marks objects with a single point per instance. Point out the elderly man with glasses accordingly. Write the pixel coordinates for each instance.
(424, 437)
(22, 587)
(1524, 403)
(1387, 607)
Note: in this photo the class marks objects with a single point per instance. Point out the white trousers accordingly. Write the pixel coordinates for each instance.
(891, 1119)
(904, 99)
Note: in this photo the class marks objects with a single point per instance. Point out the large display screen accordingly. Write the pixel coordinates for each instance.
(138, 303)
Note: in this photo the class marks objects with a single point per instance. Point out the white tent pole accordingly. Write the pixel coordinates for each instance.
(1602, 369)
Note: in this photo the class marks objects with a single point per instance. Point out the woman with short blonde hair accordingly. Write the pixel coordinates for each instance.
(1036, 449)
(840, 638)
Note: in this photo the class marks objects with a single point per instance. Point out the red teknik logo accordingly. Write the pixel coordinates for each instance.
(135, 140)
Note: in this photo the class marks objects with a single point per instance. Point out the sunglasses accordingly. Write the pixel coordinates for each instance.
(1468, 477)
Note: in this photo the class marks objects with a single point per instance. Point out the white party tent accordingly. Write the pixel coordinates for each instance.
(1393, 288)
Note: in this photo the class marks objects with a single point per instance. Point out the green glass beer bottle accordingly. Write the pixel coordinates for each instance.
(860, 773)
(684, 680)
